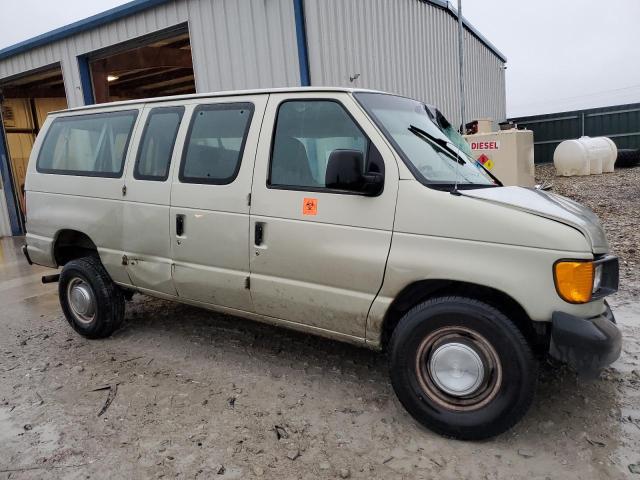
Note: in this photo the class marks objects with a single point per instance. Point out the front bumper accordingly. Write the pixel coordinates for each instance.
(588, 345)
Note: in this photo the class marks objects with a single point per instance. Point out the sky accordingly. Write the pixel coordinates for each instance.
(562, 54)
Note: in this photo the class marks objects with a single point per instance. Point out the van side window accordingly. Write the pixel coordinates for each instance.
(306, 133)
(156, 145)
(215, 143)
(93, 145)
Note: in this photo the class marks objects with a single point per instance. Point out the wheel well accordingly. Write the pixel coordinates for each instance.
(423, 290)
(71, 244)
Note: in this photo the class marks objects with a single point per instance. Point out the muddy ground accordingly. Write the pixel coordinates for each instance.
(200, 395)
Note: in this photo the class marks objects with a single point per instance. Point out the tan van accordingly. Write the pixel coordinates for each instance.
(352, 214)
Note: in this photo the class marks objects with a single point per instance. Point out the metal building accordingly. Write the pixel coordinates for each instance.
(149, 48)
(619, 123)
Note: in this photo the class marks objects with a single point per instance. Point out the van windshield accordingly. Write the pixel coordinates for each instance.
(436, 158)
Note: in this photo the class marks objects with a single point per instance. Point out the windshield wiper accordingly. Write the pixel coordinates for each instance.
(441, 143)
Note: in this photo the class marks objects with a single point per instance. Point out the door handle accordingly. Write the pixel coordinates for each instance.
(259, 234)
(179, 225)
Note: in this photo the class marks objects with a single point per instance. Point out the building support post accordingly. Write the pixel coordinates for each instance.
(15, 216)
(461, 64)
(301, 39)
(85, 80)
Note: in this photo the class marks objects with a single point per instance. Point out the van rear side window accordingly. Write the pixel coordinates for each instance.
(93, 145)
(215, 143)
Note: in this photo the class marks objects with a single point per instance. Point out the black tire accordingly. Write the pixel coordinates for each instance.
(87, 274)
(509, 369)
(628, 158)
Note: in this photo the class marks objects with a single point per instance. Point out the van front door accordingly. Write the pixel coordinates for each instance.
(210, 201)
(318, 254)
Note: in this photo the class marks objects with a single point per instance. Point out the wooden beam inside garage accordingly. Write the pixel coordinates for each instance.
(147, 57)
(33, 91)
(170, 87)
(153, 78)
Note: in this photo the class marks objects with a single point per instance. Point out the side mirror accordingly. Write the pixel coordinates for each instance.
(345, 171)
(373, 183)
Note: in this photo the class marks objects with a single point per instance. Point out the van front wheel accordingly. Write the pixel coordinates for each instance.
(92, 304)
(462, 368)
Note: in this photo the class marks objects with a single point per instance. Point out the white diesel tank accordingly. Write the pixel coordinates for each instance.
(508, 154)
(585, 156)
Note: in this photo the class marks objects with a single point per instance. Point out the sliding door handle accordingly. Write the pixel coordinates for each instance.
(179, 225)
(259, 234)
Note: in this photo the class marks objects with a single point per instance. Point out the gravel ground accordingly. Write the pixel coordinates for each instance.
(184, 393)
(615, 198)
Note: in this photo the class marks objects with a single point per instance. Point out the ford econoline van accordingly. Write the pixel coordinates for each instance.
(351, 214)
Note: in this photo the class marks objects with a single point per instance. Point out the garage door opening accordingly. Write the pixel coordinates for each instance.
(155, 69)
(25, 102)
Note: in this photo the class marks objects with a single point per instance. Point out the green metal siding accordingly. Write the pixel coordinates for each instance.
(621, 123)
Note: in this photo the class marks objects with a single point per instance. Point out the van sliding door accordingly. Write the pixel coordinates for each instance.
(210, 202)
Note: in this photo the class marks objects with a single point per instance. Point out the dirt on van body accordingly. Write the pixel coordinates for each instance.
(184, 393)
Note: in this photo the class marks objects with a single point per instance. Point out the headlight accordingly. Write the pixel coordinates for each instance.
(580, 281)
(597, 277)
(574, 280)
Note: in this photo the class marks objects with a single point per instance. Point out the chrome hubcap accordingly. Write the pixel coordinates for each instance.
(81, 300)
(457, 369)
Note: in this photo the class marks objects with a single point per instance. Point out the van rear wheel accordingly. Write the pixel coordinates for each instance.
(462, 368)
(92, 304)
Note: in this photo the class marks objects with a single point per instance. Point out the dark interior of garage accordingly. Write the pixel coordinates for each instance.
(163, 67)
(26, 101)
(153, 67)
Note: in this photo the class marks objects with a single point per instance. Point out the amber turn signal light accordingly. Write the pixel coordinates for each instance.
(574, 280)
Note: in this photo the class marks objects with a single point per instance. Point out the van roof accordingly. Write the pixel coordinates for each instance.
(228, 93)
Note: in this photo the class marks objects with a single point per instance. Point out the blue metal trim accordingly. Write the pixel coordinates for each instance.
(301, 38)
(7, 184)
(85, 80)
(80, 26)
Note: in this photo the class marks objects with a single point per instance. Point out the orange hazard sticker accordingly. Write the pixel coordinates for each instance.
(310, 206)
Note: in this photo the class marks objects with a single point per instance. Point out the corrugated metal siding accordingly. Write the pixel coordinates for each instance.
(407, 47)
(621, 123)
(236, 44)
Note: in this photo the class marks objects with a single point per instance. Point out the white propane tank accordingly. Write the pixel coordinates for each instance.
(609, 162)
(584, 156)
(571, 158)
